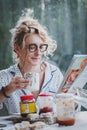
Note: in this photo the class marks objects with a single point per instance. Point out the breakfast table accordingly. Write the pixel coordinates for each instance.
(80, 123)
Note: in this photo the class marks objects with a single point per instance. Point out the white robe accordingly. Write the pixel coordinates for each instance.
(52, 81)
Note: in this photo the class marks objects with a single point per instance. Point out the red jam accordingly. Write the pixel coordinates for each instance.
(45, 109)
(66, 122)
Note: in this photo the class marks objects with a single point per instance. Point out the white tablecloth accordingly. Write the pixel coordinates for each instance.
(80, 124)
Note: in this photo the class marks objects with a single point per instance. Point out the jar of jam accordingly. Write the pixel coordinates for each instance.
(65, 106)
(45, 102)
(27, 105)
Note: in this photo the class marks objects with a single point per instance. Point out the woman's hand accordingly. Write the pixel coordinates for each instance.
(17, 83)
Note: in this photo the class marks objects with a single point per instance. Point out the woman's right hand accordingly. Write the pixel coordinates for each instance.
(17, 83)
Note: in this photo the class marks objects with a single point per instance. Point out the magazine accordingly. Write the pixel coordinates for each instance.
(76, 75)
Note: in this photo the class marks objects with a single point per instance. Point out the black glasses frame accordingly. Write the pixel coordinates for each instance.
(32, 29)
(42, 49)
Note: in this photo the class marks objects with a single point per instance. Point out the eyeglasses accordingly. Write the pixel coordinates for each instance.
(34, 47)
(32, 29)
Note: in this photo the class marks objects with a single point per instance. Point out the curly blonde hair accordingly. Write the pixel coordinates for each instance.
(23, 28)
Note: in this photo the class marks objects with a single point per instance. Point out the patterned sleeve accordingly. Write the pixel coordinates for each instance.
(3, 78)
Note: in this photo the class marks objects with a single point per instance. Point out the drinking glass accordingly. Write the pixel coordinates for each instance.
(33, 80)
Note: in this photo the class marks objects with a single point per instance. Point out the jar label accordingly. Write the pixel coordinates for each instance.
(27, 107)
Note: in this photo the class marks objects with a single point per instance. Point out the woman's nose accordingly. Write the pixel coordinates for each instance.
(38, 51)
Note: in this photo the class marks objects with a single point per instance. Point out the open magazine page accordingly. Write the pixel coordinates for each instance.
(76, 75)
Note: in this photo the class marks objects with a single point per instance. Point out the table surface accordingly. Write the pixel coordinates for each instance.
(80, 124)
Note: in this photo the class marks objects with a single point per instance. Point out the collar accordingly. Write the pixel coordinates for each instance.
(50, 70)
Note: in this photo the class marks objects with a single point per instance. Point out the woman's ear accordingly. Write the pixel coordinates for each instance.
(16, 48)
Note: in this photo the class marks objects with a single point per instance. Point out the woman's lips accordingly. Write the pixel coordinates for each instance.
(35, 59)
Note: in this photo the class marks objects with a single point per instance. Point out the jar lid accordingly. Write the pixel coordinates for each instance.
(26, 97)
(45, 94)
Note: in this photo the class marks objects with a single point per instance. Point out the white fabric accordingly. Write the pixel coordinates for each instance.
(53, 79)
(80, 123)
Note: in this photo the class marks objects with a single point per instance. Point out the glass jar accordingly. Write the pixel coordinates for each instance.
(33, 81)
(65, 107)
(45, 102)
(27, 105)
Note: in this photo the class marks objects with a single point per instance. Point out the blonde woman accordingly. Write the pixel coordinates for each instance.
(30, 43)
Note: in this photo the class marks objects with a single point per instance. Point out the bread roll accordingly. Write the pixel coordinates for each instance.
(24, 125)
(37, 125)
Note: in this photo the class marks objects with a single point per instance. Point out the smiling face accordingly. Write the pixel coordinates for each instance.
(34, 58)
(29, 57)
